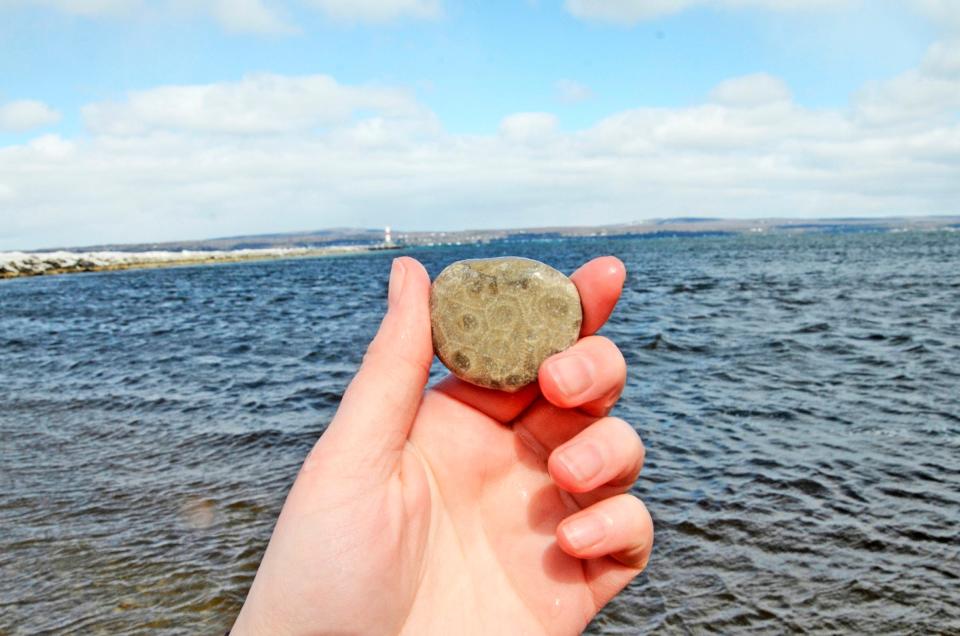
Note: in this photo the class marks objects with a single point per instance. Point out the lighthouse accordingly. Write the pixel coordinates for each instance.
(387, 237)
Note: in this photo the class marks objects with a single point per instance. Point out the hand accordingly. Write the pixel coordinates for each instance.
(461, 510)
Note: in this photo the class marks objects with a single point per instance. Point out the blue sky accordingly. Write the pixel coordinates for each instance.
(138, 120)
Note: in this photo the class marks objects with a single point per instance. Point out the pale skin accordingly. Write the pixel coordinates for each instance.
(461, 510)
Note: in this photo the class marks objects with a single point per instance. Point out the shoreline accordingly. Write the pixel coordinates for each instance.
(217, 251)
(30, 264)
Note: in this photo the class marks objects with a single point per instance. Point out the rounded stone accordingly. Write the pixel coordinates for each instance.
(494, 320)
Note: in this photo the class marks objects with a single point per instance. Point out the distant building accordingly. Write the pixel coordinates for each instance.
(387, 236)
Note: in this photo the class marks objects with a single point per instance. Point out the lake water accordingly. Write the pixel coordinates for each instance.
(799, 397)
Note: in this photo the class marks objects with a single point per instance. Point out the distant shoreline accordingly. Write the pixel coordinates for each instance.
(29, 264)
(372, 237)
(359, 240)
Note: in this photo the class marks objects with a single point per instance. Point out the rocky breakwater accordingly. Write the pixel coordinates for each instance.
(15, 264)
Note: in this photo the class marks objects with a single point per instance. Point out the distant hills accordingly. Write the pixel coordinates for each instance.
(652, 228)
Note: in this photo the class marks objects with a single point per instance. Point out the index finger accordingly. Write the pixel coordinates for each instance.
(599, 283)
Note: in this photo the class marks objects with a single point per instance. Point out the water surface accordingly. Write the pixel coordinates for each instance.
(797, 395)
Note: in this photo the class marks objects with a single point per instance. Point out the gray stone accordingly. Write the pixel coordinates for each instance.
(495, 320)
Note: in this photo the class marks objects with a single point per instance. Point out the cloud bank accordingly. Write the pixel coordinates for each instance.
(273, 153)
(258, 104)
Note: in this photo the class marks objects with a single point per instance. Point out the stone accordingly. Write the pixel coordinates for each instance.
(494, 320)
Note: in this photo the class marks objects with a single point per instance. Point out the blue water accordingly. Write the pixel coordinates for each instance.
(798, 397)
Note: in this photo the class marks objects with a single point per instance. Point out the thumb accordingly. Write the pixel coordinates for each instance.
(378, 408)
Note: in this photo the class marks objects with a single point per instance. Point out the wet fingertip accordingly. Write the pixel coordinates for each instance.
(615, 267)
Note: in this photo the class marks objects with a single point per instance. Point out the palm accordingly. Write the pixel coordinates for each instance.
(517, 572)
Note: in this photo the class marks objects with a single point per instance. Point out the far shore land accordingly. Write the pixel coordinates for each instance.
(351, 241)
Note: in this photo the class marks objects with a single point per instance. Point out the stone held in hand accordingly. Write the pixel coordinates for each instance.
(494, 320)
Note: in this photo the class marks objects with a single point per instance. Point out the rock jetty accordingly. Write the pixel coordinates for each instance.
(15, 264)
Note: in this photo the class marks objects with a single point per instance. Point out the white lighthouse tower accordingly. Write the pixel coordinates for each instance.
(387, 236)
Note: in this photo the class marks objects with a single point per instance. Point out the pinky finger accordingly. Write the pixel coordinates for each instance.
(619, 527)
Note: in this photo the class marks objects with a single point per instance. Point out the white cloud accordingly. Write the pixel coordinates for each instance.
(377, 10)
(247, 16)
(528, 127)
(236, 16)
(257, 104)
(52, 147)
(25, 114)
(943, 13)
(274, 153)
(633, 11)
(920, 97)
(751, 90)
(572, 92)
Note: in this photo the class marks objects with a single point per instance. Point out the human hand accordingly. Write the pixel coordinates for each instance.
(461, 510)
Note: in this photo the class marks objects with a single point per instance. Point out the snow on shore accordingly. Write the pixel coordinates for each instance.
(35, 263)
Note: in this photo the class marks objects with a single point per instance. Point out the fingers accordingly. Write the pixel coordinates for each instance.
(599, 282)
(589, 375)
(379, 406)
(601, 373)
(619, 527)
(608, 453)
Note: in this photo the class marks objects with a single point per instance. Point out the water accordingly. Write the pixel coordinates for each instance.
(797, 395)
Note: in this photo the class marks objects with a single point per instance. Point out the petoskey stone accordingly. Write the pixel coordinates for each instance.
(494, 320)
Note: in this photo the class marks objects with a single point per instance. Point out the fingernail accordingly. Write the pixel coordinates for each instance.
(573, 374)
(398, 271)
(585, 532)
(582, 460)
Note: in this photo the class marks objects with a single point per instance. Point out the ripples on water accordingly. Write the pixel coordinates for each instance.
(797, 395)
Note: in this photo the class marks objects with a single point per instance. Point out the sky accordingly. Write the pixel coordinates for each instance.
(155, 120)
